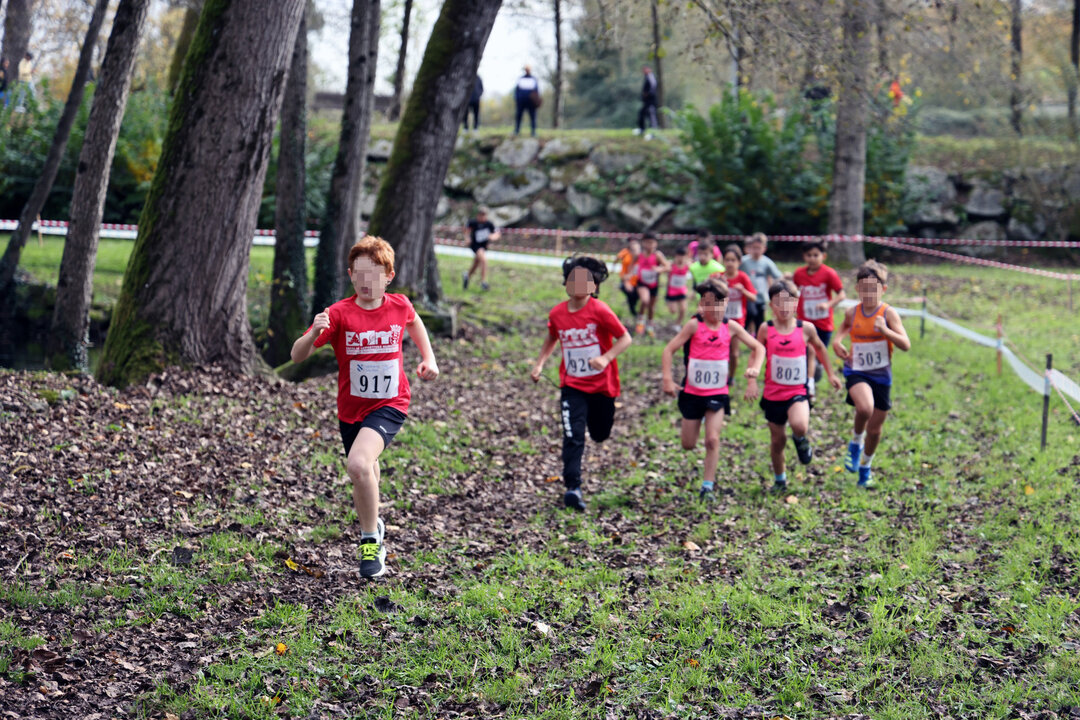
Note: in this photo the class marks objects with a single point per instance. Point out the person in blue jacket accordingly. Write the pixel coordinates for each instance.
(474, 104)
(527, 99)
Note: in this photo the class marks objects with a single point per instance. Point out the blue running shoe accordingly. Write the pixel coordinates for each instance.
(866, 479)
(854, 451)
(573, 499)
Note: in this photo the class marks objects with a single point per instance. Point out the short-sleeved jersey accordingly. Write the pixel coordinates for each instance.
(737, 297)
(701, 272)
(815, 290)
(627, 266)
(763, 272)
(367, 344)
(590, 332)
(480, 232)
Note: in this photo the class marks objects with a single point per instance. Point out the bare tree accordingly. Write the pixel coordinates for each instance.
(658, 55)
(45, 181)
(68, 339)
(288, 290)
(183, 42)
(557, 81)
(424, 143)
(185, 287)
(399, 72)
(1074, 62)
(1016, 98)
(341, 226)
(18, 24)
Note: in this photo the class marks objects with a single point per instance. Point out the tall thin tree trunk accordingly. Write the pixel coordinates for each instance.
(658, 55)
(288, 291)
(184, 298)
(44, 183)
(557, 105)
(341, 226)
(882, 27)
(68, 338)
(18, 24)
(1074, 62)
(399, 73)
(183, 43)
(1016, 97)
(424, 143)
(852, 111)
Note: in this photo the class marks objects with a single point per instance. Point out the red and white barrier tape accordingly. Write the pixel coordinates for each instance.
(888, 242)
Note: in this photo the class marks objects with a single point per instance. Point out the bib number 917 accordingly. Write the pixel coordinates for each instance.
(377, 380)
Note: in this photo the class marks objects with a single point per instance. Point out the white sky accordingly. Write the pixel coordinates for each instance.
(515, 39)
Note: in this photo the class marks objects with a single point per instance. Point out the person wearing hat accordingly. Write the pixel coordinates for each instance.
(527, 99)
(481, 231)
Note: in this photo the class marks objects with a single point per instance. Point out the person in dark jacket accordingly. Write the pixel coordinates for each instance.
(474, 104)
(527, 99)
(648, 101)
(4, 81)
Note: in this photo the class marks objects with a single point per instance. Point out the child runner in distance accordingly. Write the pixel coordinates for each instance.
(481, 231)
(875, 328)
(786, 399)
(628, 274)
(591, 337)
(705, 265)
(678, 280)
(763, 272)
(740, 292)
(820, 290)
(651, 263)
(701, 237)
(706, 341)
(373, 389)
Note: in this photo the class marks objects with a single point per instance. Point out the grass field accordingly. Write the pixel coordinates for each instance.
(160, 538)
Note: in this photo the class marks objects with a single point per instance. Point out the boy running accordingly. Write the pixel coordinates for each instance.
(678, 279)
(763, 272)
(706, 264)
(480, 231)
(373, 388)
(820, 290)
(628, 274)
(591, 337)
(875, 328)
(741, 292)
(786, 398)
(651, 263)
(706, 341)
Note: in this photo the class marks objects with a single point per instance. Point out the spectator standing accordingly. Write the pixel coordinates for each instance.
(648, 103)
(527, 99)
(474, 104)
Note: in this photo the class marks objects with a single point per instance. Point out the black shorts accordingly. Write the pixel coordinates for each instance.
(776, 410)
(882, 393)
(675, 298)
(474, 246)
(825, 336)
(694, 407)
(651, 288)
(386, 421)
(755, 314)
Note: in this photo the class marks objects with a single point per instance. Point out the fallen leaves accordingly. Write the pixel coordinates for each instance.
(281, 649)
(691, 546)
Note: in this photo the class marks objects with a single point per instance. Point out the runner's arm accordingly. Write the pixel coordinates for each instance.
(428, 369)
(545, 352)
(757, 349)
(304, 345)
(845, 329)
(685, 333)
(895, 331)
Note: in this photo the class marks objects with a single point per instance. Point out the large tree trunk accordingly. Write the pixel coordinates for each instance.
(424, 143)
(183, 43)
(399, 72)
(341, 226)
(184, 293)
(557, 104)
(1074, 61)
(1016, 98)
(288, 291)
(849, 159)
(18, 24)
(68, 338)
(658, 55)
(44, 183)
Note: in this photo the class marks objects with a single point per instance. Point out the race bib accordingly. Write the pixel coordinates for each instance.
(481, 234)
(734, 309)
(869, 355)
(707, 374)
(816, 309)
(577, 360)
(374, 379)
(678, 281)
(650, 276)
(788, 370)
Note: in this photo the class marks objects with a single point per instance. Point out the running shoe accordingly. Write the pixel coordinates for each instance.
(464, 281)
(573, 500)
(803, 448)
(866, 478)
(778, 487)
(706, 495)
(854, 451)
(373, 554)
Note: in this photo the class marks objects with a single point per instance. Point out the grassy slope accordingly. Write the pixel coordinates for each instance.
(953, 589)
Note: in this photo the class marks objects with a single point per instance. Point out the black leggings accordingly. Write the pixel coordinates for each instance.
(474, 108)
(581, 410)
(521, 110)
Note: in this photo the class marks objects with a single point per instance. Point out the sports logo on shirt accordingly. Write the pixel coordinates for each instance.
(578, 337)
(373, 342)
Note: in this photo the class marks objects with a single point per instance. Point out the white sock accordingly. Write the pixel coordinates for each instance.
(865, 460)
(858, 438)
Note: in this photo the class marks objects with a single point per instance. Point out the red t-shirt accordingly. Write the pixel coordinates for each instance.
(814, 291)
(367, 344)
(737, 289)
(587, 333)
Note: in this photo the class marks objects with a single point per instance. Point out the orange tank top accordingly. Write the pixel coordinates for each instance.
(871, 351)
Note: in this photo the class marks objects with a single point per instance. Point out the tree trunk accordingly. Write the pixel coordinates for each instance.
(18, 24)
(1016, 99)
(424, 143)
(185, 287)
(68, 338)
(399, 73)
(849, 160)
(45, 181)
(341, 226)
(183, 43)
(557, 104)
(288, 291)
(1074, 61)
(658, 55)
